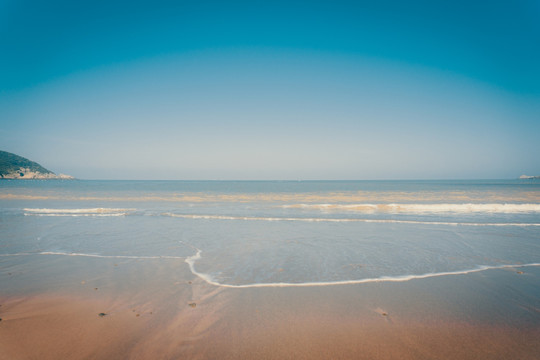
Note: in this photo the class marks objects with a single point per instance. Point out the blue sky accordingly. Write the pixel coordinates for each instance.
(272, 90)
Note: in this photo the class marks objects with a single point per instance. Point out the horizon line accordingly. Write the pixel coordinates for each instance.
(288, 180)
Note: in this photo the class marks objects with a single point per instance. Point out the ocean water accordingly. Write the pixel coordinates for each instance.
(274, 233)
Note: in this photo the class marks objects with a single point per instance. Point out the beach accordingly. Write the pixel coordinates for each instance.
(492, 315)
(204, 270)
(272, 180)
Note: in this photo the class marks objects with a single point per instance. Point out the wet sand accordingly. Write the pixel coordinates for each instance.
(168, 313)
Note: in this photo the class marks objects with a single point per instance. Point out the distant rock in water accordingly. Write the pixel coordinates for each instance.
(16, 167)
(526, 177)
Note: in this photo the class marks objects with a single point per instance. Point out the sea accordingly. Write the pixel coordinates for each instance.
(242, 234)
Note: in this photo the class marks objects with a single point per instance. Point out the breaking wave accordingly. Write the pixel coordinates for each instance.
(77, 212)
(424, 208)
(258, 218)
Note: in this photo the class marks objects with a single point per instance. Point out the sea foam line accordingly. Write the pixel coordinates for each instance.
(77, 212)
(191, 260)
(254, 218)
(76, 215)
(425, 208)
(95, 255)
(210, 280)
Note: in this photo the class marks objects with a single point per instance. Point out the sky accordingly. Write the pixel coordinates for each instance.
(272, 89)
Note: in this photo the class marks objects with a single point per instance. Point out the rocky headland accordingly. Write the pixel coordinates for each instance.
(17, 167)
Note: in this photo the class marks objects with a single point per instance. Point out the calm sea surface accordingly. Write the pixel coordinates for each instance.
(276, 233)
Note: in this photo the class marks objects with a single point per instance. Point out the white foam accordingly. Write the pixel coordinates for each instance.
(77, 215)
(19, 254)
(256, 218)
(207, 278)
(424, 208)
(78, 212)
(191, 260)
(210, 280)
(74, 211)
(96, 255)
(402, 278)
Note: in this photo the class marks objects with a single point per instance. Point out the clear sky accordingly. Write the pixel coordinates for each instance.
(272, 89)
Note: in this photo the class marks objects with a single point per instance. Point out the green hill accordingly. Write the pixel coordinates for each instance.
(16, 167)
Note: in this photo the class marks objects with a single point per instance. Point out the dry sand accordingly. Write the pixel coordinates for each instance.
(460, 317)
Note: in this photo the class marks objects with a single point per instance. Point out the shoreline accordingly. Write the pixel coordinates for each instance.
(191, 261)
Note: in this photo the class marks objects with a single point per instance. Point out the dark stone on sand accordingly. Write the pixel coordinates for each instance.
(102, 314)
(384, 314)
(192, 305)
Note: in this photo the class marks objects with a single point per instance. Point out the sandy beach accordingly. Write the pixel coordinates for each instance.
(267, 279)
(148, 315)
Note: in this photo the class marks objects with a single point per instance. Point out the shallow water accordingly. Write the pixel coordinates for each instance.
(265, 233)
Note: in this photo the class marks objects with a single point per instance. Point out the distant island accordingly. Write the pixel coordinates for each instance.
(527, 177)
(16, 167)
